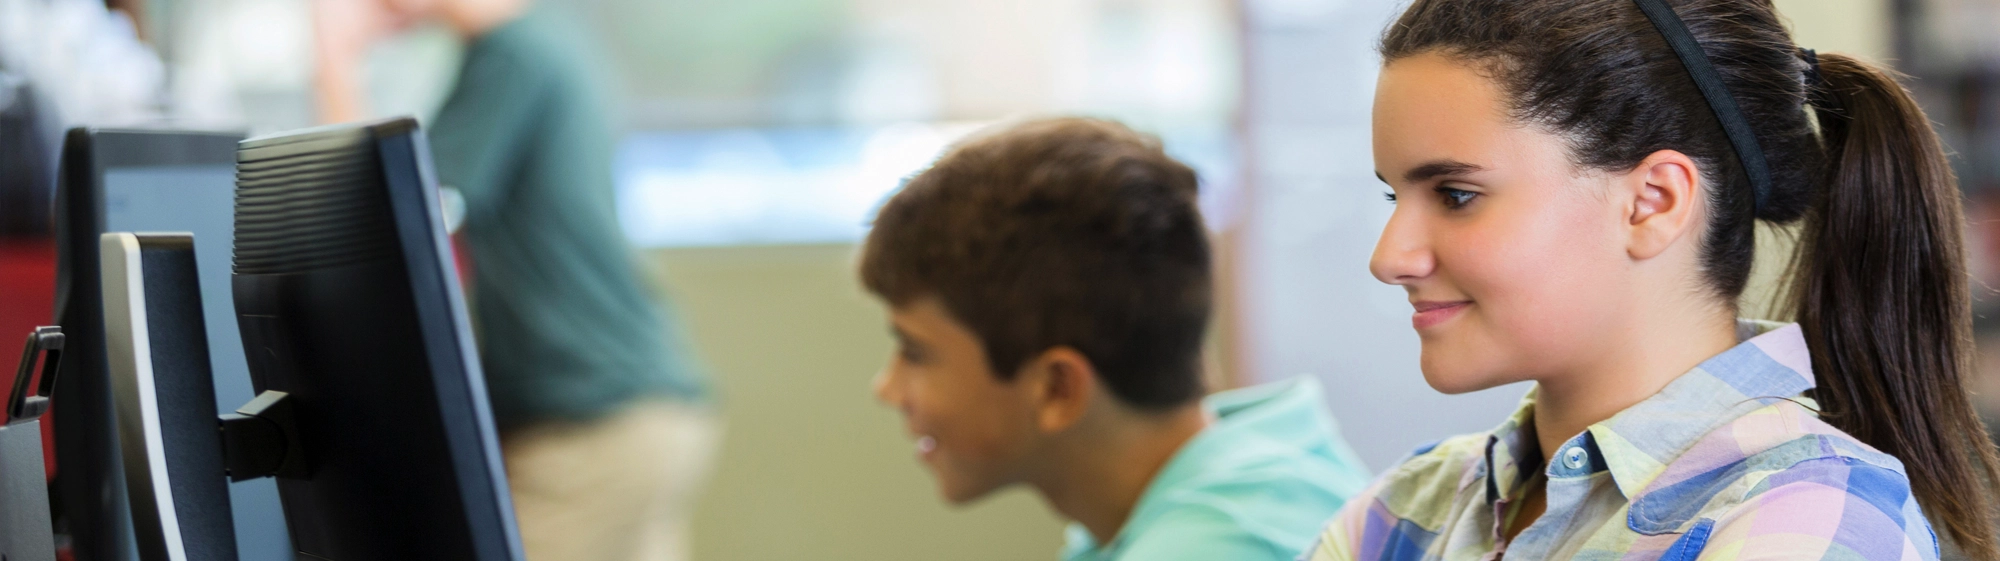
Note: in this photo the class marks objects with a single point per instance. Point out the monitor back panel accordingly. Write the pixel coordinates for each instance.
(345, 303)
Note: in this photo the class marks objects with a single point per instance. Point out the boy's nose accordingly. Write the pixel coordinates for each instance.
(881, 387)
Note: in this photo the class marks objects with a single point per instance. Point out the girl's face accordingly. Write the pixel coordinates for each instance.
(1514, 259)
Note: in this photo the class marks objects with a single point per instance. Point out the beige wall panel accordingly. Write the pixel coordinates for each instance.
(811, 466)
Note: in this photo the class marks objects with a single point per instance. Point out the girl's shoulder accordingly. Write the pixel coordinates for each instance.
(1438, 469)
(1424, 486)
(1836, 495)
(1780, 443)
(1420, 492)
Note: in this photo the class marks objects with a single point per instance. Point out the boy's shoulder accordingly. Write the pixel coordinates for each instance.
(1242, 490)
(1220, 522)
(1269, 492)
(1273, 455)
(1259, 510)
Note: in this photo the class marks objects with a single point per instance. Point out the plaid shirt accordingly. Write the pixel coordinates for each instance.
(1727, 462)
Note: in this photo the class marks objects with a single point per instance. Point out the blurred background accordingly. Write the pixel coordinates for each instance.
(758, 135)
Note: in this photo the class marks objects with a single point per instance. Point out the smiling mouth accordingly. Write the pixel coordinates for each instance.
(926, 445)
(1430, 314)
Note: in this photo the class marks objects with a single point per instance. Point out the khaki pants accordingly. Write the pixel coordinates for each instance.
(618, 489)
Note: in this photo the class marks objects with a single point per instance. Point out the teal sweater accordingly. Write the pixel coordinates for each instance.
(566, 325)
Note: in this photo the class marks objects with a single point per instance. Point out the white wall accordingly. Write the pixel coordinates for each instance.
(1858, 27)
(1309, 304)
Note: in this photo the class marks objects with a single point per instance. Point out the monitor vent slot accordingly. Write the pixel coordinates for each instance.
(315, 202)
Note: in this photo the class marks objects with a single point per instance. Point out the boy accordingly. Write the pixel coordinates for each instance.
(1049, 289)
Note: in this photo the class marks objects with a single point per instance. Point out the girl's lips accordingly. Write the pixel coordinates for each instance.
(1432, 313)
(925, 445)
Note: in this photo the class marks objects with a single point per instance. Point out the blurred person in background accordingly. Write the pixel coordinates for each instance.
(30, 133)
(603, 418)
(64, 63)
(87, 61)
(1049, 286)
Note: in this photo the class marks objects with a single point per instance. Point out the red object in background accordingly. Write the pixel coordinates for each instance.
(462, 256)
(27, 301)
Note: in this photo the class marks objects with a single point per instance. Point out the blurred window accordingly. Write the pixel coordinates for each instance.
(779, 121)
(813, 184)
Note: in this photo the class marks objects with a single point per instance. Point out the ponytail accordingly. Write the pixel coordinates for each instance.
(1880, 289)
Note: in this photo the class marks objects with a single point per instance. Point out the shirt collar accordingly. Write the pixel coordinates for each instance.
(1512, 452)
(1636, 445)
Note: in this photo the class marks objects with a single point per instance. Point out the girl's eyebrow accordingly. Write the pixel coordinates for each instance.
(1439, 168)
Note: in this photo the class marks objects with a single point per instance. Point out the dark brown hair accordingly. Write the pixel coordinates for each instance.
(1076, 232)
(1879, 281)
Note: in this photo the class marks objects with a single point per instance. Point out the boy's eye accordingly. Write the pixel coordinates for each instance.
(1390, 196)
(910, 353)
(1456, 198)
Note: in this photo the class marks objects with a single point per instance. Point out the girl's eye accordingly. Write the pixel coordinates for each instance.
(1390, 196)
(1456, 198)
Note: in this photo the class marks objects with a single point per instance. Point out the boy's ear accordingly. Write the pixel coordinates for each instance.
(1062, 384)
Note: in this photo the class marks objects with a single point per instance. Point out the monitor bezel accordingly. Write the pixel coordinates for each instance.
(427, 251)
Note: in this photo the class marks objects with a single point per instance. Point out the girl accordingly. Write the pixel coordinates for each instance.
(1576, 185)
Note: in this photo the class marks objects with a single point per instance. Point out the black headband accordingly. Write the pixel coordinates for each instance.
(1741, 136)
(1814, 81)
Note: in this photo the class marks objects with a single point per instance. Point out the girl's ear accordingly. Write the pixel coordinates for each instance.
(1662, 194)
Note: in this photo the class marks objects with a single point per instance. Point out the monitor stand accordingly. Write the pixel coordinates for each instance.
(25, 532)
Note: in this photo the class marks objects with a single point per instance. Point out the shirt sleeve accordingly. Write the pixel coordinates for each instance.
(1341, 539)
(1826, 509)
(486, 121)
(1365, 528)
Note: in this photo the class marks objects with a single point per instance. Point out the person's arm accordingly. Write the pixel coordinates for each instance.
(342, 32)
(1821, 510)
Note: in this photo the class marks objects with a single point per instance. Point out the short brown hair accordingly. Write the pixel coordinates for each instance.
(1076, 232)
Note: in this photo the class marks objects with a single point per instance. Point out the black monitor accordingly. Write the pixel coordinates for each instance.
(350, 306)
(143, 180)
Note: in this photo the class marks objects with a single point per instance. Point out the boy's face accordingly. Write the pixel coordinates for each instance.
(975, 432)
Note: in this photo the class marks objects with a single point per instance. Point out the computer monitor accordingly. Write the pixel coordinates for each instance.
(143, 180)
(349, 305)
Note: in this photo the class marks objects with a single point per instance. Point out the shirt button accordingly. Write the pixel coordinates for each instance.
(1575, 458)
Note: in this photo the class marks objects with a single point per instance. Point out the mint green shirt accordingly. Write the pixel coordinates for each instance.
(1254, 486)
